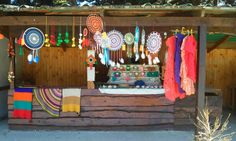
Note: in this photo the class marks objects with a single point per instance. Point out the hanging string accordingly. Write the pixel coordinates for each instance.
(73, 32)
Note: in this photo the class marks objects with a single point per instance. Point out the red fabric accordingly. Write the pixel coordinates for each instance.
(170, 85)
(24, 114)
(191, 57)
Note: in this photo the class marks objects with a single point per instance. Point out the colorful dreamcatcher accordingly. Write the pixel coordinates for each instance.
(94, 23)
(117, 40)
(34, 39)
(129, 40)
(154, 42)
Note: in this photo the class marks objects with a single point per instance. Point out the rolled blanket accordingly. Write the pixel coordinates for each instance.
(49, 99)
(71, 100)
(22, 103)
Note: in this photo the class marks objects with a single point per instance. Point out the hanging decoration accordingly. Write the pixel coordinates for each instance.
(84, 3)
(85, 42)
(98, 39)
(34, 39)
(67, 40)
(94, 23)
(129, 40)
(142, 44)
(116, 40)
(106, 44)
(20, 42)
(59, 37)
(11, 51)
(136, 40)
(47, 42)
(91, 60)
(73, 33)
(80, 34)
(53, 36)
(154, 42)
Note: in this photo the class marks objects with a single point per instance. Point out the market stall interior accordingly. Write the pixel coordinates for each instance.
(90, 71)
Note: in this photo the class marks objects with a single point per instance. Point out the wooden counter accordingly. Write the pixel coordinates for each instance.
(114, 112)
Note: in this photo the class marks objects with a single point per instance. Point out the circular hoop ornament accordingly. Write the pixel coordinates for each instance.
(98, 38)
(129, 38)
(117, 40)
(33, 38)
(154, 42)
(94, 23)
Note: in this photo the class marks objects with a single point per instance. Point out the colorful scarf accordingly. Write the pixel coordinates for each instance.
(49, 99)
(22, 103)
(71, 100)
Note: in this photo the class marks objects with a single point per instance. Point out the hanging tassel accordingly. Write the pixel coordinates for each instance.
(21, 53)
(66, 40)
(53, 37)
(123, 47)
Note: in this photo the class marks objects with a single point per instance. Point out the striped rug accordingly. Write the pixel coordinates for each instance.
(22, 103)
(49, 99)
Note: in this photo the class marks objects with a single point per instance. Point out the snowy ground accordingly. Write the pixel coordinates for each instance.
(10, 135)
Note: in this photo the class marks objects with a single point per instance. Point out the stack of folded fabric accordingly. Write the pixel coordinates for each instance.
(22, 103)
(71, 100)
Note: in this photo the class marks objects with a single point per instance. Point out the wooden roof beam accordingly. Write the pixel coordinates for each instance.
(217, 44)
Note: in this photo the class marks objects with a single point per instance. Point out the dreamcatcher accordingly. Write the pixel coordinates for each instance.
(117, 41)
(154, 42)
(34, 40)
(129, 40)
(94, 23)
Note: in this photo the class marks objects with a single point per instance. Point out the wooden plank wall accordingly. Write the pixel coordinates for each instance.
(99, 111)
(221, 72)
(56, 68)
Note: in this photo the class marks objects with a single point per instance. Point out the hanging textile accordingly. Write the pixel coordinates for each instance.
(191, 56)
(22, 103)
(170, 85)
(71, 100)
(179, 39)
(49, 99)
(187, 84)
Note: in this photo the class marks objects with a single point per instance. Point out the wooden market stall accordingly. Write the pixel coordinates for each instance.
(66, 69)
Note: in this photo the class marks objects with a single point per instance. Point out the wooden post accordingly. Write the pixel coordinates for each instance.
(202, 40)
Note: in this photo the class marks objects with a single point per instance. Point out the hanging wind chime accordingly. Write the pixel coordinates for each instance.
(59, 37)
(73, 33)
(53, 36)
(47, 42)
(67, 40)
(80, 34)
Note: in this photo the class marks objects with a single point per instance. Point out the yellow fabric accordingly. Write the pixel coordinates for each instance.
(71, 104)
(71, 108)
